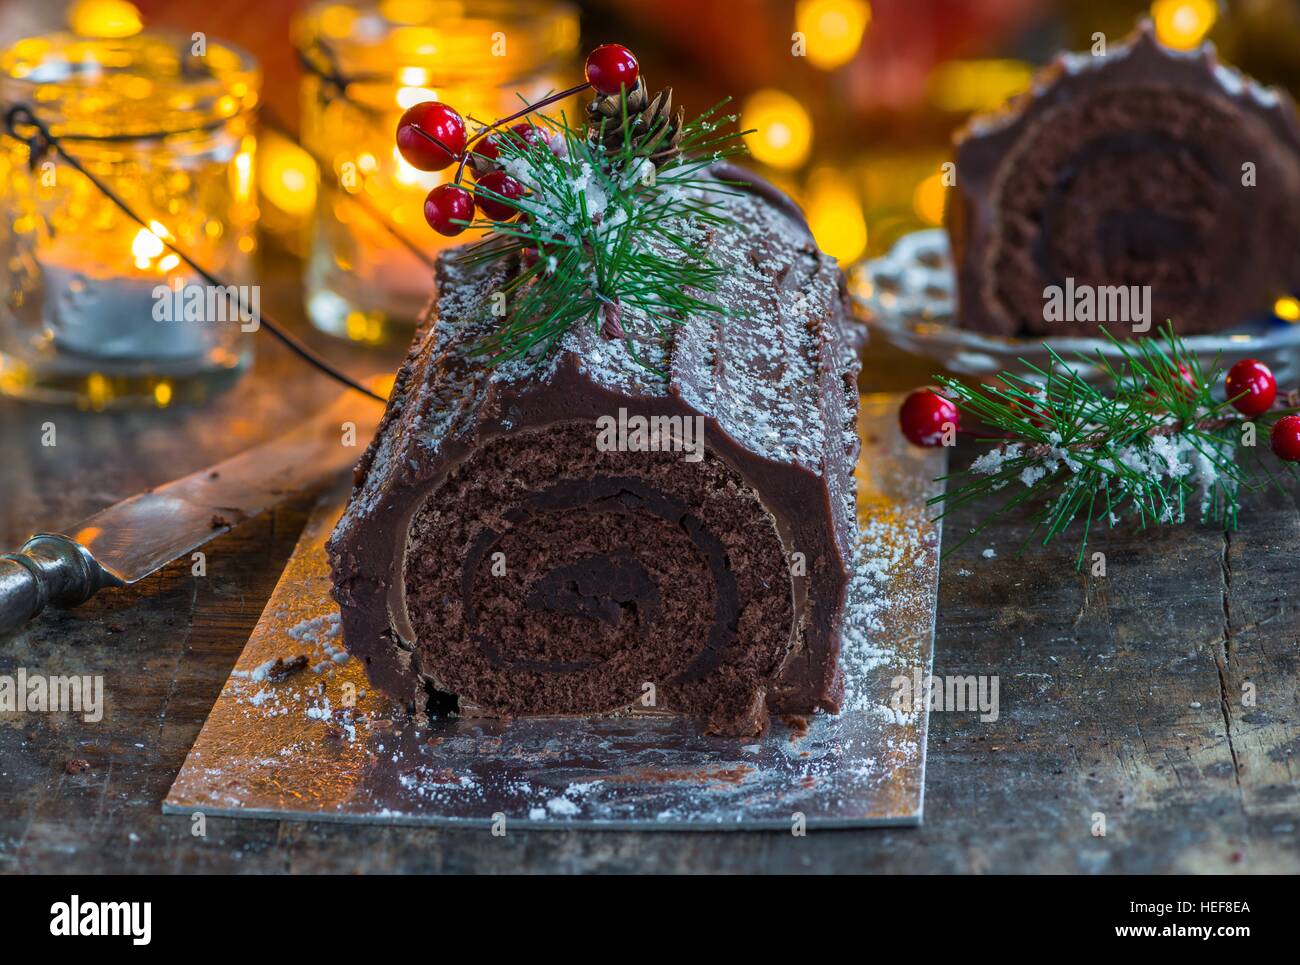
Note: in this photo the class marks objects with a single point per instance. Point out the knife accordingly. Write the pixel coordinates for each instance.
(131, 539)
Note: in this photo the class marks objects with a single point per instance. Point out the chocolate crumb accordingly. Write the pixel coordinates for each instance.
(798, 725)
(219, 521)
(76, 766)
(283, 669)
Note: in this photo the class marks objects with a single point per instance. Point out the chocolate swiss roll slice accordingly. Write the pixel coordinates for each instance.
(590, 534)
(1141, 172)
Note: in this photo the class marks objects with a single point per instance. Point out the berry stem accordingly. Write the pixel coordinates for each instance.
(544, 102)
(429, 137)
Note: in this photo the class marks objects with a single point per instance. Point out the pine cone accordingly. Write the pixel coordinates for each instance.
(648, 122)
(608, 106)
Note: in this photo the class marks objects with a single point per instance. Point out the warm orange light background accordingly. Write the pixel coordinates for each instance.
(855, 124)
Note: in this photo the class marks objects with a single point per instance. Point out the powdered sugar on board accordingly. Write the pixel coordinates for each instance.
(316, 742)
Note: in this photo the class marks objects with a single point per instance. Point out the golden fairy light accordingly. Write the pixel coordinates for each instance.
(1183, 24)
(783, 131)
(832, 29)
(835, 214)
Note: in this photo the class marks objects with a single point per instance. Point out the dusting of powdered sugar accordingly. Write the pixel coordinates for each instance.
(306, 733)
(879, 599)
(1166, 460)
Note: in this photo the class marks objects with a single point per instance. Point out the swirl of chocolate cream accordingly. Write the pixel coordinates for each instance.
(561, 579)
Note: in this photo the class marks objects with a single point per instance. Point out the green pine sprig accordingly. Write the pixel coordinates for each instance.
(1152, 443)
(605, 239)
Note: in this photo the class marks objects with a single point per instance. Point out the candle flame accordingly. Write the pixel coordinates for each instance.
(146, 247)
(410, 96)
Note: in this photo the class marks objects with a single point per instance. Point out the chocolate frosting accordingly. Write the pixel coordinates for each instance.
(753, 541)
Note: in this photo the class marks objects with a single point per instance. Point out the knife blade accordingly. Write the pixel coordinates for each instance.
(128, 541)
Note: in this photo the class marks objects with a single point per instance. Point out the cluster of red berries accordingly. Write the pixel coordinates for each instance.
(431, 136)
(926, 415)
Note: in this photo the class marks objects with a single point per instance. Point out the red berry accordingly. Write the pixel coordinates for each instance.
(442, 125)
(1253, 381)
(504, 185)
(925, 417)
(611, 67)
(1189, 388)
(1285, 438)
(529, 134)
(446, 204)
(486, 152)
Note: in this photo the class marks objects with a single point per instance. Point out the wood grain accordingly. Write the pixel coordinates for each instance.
(1125, 695)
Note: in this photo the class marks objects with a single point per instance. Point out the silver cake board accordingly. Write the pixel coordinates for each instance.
(320, 744)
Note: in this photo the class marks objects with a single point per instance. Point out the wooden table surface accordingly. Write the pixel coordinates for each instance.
(1162, 696)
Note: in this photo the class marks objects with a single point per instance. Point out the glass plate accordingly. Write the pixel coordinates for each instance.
(907, 298)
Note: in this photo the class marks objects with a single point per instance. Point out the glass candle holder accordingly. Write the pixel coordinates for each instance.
(94, 307)
(366, 64)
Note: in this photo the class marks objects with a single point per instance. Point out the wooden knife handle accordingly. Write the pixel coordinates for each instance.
(49, 570)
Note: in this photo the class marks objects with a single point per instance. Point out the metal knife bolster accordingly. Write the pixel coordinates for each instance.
(50, 569)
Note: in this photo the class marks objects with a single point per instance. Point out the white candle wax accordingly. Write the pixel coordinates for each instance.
(107, 310)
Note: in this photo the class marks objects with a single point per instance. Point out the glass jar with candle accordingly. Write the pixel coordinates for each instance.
(94, 308)
(365, 64)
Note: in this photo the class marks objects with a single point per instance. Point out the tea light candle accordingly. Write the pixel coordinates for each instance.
(95, 308)
(167, 128)
(362, 283)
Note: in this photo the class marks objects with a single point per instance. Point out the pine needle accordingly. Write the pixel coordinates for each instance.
(1156, 441)
(603, 234)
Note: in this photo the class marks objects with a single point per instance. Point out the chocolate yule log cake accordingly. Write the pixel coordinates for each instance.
(1144, 166)
(613, 522)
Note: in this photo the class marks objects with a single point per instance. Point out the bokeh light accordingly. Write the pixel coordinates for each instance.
(833, 29)
(287, 175)
(104, 18)
(783, 130)
(1287, 309)
(928, 199)
(834, 211)
(1183, 24)
(963, 86)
